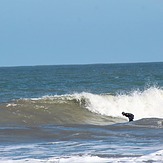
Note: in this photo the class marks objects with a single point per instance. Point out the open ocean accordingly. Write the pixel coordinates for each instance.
(72, 113)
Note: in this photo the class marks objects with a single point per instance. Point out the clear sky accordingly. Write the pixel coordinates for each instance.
(50, 32)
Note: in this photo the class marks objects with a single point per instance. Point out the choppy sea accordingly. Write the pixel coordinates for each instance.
(72, 113)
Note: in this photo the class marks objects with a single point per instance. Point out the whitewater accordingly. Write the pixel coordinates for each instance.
(146, 104)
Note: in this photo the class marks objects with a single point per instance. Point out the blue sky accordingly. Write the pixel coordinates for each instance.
(50, 32)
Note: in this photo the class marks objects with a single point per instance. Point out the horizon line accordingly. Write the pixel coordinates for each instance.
(80, 64)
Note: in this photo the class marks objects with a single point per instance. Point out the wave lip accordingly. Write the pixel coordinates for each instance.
(146, 104)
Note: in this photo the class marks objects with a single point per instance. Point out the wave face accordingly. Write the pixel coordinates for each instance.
(83, 108)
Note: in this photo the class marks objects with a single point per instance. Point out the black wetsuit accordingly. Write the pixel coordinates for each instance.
(129, 115)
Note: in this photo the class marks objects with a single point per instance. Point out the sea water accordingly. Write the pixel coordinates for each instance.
(73, 113)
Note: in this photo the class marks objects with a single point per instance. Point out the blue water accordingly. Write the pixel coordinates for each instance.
(27, 82)
(72, 113)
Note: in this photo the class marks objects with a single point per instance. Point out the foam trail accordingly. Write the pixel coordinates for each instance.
(153, 157)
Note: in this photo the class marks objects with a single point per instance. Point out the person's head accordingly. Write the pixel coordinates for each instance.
(123, 113)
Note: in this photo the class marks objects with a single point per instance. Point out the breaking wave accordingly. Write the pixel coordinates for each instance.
(84, 108)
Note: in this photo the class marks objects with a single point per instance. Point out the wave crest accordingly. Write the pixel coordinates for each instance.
(86, 108)
(146, 104)
(143, 104)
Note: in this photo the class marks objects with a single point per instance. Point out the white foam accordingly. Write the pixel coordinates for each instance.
(146, 104)
(80, 159)
(9, 105)
(156, 157)
(153, 157)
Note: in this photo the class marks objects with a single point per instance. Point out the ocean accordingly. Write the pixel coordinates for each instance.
(73, 113)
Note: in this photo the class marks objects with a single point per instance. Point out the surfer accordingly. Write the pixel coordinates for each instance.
(128, 115)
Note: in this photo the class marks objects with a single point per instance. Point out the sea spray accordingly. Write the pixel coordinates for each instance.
(143, 104)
